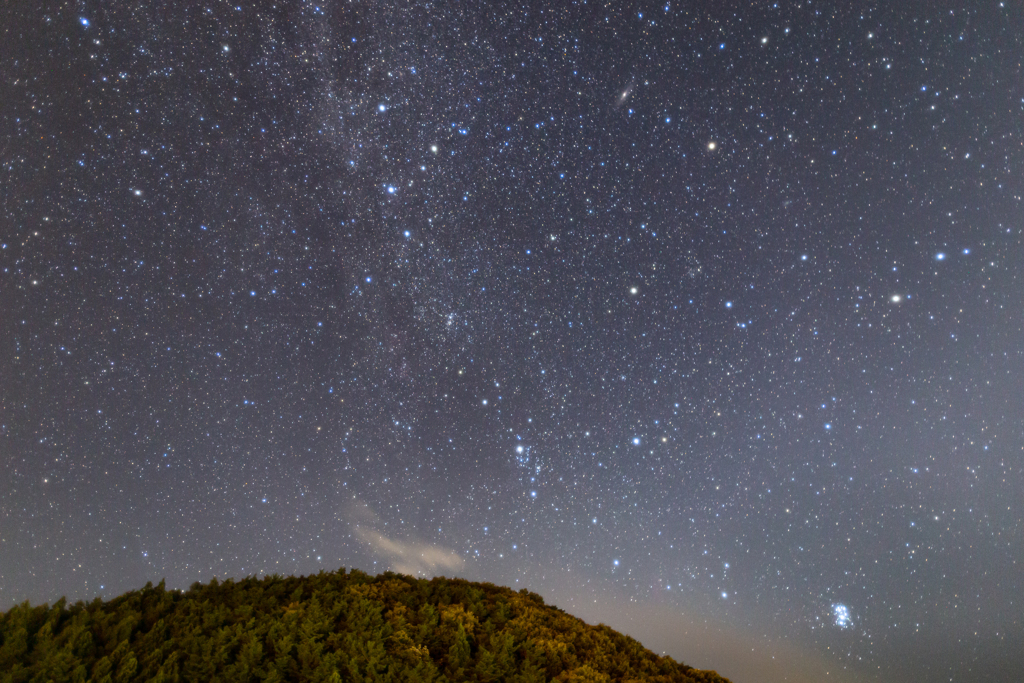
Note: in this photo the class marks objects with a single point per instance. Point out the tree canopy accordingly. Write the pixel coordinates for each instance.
(329, 627)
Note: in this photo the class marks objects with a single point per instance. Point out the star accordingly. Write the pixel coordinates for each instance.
(267, 319)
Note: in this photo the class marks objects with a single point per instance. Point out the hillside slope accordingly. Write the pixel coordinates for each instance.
(339, 626)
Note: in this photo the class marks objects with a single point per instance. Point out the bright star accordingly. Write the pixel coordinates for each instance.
(712, 145)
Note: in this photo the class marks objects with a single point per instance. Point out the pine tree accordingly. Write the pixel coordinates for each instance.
(328, 628)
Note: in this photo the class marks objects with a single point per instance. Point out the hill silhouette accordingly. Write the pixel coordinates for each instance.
(336, 626)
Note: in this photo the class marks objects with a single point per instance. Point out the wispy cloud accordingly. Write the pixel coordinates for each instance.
(404, 556)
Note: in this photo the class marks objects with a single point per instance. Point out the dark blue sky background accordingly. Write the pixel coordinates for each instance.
(701, 319)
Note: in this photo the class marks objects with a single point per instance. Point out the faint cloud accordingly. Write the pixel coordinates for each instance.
(408, 556)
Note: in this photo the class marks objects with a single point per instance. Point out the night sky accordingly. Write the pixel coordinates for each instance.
(700, 319)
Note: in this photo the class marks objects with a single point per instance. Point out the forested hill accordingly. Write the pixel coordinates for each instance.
(339, 626)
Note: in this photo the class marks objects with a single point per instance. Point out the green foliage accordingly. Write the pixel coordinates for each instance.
(328, 628)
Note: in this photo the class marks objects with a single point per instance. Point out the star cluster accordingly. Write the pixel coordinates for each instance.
(709, 306)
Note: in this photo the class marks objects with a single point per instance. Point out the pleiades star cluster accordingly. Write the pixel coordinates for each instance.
(705, 310)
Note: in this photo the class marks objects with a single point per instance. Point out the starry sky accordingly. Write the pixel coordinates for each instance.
(700, 319)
